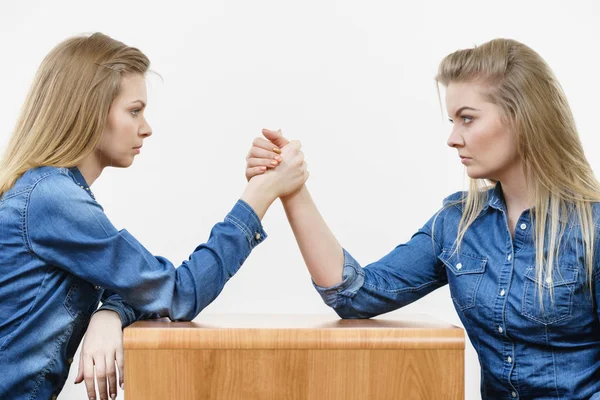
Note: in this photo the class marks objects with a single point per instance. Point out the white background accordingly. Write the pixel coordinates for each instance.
(352, 80)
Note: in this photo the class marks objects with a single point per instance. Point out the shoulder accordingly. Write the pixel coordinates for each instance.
(455, 199)
(596, 213)
(53, 192)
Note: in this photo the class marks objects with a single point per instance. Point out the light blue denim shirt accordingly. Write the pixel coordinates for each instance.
(60, 255)
(525, 351)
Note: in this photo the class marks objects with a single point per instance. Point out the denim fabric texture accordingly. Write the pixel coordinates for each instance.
(60, 256)
(527, 349)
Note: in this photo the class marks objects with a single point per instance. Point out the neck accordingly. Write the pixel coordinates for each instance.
(90, 168)
(517, 194)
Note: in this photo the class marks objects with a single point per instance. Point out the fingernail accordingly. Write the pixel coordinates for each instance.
(123, 386)
(113, 396)
(276, 150)
(263, 169)
(278, 158)
(274, 162)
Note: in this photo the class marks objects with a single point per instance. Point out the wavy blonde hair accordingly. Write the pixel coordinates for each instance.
(562, 182)
(66, 109)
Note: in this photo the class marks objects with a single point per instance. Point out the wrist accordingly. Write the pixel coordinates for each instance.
(259, 197)
(290, 198)
(109, 315)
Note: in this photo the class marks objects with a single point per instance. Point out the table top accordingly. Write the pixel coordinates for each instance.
(294, 331)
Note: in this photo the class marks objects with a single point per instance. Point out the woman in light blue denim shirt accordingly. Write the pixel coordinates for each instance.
(59, 253)
(518, 250)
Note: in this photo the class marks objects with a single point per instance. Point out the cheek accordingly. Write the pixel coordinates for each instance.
(123, 128)
(117, 133)
(499, 145)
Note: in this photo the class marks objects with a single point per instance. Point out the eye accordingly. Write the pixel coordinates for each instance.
(467, 119)
(135, 112)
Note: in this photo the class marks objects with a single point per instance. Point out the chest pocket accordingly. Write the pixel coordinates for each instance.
(464, 276)
(549, 310)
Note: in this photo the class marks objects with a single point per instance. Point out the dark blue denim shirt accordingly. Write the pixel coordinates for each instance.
(525, 351)
(60, 255)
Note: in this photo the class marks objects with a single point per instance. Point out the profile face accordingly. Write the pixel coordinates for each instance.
(486, 144)
(126, 127)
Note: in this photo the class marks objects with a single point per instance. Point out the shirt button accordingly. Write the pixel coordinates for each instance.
(458, 266)
(548, 280)
(500, 329)
(509, 359)
(502, 292)
(513, 394)
(523, 226)
(97, 287)
(257, 236)
(509, 257)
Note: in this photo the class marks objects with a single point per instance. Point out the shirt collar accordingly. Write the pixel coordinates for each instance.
(496, 201)
(80, 180)
(495, 198)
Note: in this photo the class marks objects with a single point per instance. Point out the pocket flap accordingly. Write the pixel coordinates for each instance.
(560, 276)
(461, 264)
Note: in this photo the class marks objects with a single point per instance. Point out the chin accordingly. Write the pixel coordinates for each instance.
(121, 163)
(475, 174)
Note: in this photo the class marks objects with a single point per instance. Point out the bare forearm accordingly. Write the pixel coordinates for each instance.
(259, 198)
(320, 249)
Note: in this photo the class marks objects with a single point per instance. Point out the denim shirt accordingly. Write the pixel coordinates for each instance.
(60, 255)
(525, 351)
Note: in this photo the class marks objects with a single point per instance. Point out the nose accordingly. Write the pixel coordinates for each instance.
(145, 130)
(455, 139)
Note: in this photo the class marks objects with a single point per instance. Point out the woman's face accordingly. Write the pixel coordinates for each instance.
(126, 127)
(486, 144)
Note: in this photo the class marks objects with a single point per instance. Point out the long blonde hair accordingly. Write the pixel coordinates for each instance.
(66, 109)
(560, 178)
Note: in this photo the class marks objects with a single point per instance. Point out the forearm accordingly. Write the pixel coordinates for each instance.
(320, 249)
(259, 197)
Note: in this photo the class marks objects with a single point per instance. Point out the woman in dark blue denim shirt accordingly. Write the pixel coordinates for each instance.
(518, 250)
(59, 253)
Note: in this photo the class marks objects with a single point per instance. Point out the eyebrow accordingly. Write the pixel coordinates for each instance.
(136, 101)
(464, 108)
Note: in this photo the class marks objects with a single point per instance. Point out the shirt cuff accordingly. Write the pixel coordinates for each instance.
(353, 278)
(126, 319)
(245, 219)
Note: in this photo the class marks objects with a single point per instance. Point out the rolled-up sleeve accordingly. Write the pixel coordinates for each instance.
(407, 273)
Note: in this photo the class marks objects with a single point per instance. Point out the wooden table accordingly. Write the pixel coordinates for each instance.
(254, 356)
